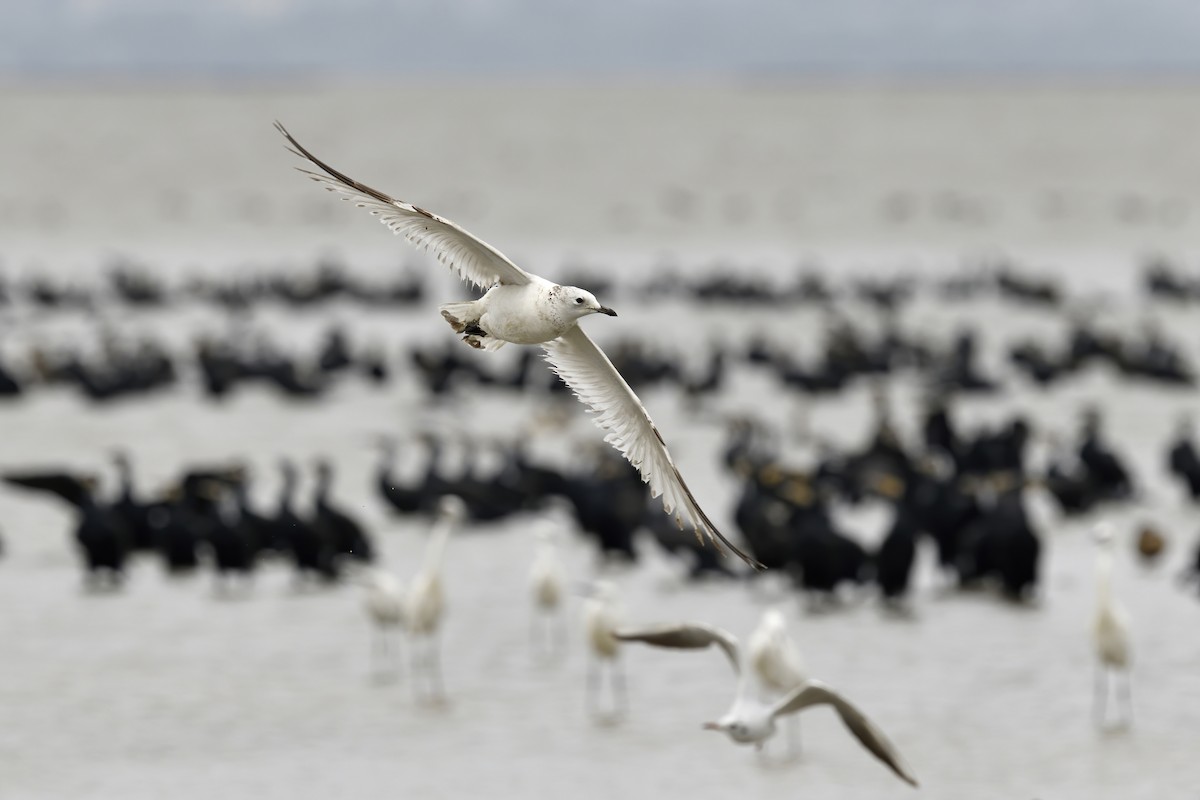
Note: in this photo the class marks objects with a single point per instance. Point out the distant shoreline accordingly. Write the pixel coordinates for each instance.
(932, 79)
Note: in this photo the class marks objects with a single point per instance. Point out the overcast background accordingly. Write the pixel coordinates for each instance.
(669, 38)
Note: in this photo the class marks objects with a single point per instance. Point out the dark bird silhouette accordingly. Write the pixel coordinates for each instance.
(98, 532)
(134, 515)
(1001, 544)
(898, 551)
(254, 528)
(1192, 573)
(9, 385)
(346, 536)
(193, 517)
(335, 352)
(402, 499)
(1105, 470)
(234, 540)
(763, 514)
(1183, 460)
(827, 558)
(609, 502)
(311, 553)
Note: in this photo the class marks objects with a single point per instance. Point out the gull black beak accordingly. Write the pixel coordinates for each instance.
(606, 310)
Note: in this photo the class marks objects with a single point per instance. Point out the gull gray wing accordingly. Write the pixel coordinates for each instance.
(584, 367)
(817, 693)
(472, 259)
(686, 636)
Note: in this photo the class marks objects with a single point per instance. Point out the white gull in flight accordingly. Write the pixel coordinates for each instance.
(524, 308)
(750, 721)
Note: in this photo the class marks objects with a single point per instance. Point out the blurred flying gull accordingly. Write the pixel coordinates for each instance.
(523, 308)
(750, 721)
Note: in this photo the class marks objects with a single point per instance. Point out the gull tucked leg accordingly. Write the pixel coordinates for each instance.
(462, 316)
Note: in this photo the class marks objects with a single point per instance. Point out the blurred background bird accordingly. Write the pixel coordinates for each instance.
(601, 617)
(548, 586)
(1111, 637)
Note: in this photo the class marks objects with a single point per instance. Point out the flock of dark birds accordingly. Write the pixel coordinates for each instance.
(245, 354)
(965, 491)
(205, 517)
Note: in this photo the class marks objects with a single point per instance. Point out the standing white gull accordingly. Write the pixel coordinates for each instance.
(776, 661)
(1110, 633)
(384, 604)
(548, 580)
(523, 308)
(751, 721)
(601, 614)
(425, 601)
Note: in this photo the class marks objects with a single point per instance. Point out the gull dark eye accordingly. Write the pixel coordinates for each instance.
(578, 300)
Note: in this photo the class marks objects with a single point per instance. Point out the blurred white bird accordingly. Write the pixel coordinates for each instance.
(424, 604)
(777, 664)
(751, 721)
(601, 617)
(384, 604)
(523, 308)
(548, 584)
(1110, 634)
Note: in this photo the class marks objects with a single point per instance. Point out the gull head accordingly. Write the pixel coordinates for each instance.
(451, 507)
(547, 534)
(735, 729)
(576, 302)
(773, 621)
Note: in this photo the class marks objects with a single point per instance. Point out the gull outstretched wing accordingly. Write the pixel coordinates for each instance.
(818, 693)
(596, 382)
(686, 636)
(474, 260)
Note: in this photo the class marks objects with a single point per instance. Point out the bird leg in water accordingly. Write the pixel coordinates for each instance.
(385, 653)
(620, 695)
(435, 670)
(420, 667)
(1126, 695)
(379, 650)
(559, 633)
(1101, 698)
(592, 686)
(540, 643)
(547, 634)
(793, 735)
(427, 662)
(397, 649)
(535, 630)
(616, 682)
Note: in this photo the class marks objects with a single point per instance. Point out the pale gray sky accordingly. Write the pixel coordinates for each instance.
(613, 37)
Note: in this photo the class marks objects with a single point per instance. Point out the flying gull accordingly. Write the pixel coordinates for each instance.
(750, 721)
(524, 308)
